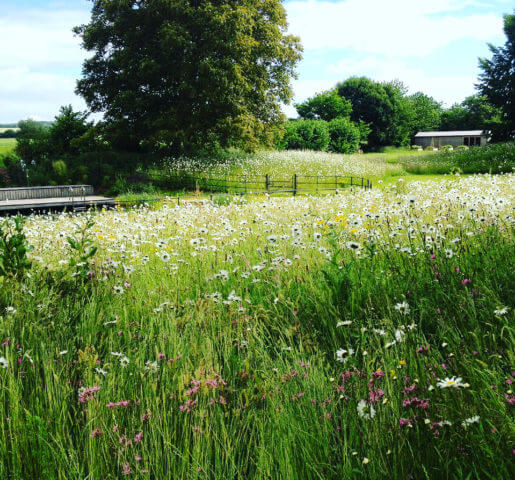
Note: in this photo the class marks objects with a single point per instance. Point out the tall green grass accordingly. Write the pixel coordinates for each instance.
(495, 158)
(221, 377)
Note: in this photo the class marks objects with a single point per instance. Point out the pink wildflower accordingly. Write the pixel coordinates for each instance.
(87, 394)
(423, 349)
(375, 395)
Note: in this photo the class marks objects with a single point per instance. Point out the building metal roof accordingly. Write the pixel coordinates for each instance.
(457, 133)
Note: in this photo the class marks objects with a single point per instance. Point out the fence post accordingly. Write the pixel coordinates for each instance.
(362, 181)
(267, 182)
(294, 184)
(245, 183)
(317, 184)
(335, 183)
(351, 181)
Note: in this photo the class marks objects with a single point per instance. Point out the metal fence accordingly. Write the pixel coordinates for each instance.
(295, 184)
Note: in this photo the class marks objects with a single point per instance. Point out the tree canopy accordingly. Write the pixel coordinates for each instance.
(325, 106)
(475, 112)
(497, 79)
(425, 113)
(187, 74)
(381, 105)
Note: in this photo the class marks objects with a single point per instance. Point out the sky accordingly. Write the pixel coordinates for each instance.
(431, 46)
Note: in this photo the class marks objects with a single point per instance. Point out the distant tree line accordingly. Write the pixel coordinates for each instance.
(9, 133)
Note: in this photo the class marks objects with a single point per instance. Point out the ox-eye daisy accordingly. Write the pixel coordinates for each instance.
(454, 382)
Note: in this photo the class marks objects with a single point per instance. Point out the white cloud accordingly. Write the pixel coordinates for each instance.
(40, 62)
(393, 27)
(41, 38)
(26, 94)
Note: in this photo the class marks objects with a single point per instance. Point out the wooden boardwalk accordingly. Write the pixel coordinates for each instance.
(73, 197)
(55, 203)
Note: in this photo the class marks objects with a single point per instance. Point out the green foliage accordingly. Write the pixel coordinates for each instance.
(61, 171)
(83, 249)
(381, 106)
(33, 144)
(189, 75)
(306, 135)
(325, 106)
(474, 113)
(425, 113)
(497, 79)
(13, 248)
(15, 170)
(344, 136)
(66, 132)
(69, 150)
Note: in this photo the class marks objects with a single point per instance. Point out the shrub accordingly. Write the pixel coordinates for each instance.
(15, 170)
(306, 135)
(447, 148)
(343, 136)
(60, 170)
(13, 248)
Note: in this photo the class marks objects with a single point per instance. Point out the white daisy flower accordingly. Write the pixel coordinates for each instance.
(454, 382)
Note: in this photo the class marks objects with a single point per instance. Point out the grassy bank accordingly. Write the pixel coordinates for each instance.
(495, 158)
(350, 336)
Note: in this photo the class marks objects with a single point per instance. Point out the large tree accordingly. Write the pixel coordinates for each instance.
(497, 80)
(380, 105)
(186, 74)
(425, 113)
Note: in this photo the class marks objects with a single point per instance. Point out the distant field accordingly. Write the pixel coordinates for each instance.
(7, 145)
(4, 129)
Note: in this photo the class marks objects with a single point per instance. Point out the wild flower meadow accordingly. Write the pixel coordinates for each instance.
(362, 335)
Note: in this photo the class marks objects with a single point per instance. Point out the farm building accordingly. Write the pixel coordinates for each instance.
(470, 138)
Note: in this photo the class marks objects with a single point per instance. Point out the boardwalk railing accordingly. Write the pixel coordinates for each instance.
(295, 184)
(61, 191)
